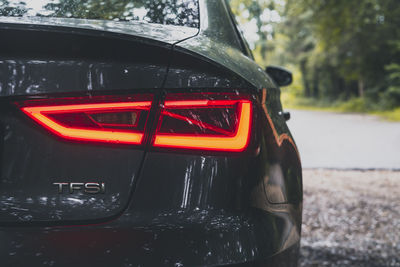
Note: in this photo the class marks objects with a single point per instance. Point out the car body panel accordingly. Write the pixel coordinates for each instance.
(223, 47)
(71, 64)
(180, 207)
(75, 61)
(185, 239)
(157, 32)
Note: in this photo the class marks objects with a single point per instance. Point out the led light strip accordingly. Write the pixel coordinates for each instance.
(238, 142)
(39, 115)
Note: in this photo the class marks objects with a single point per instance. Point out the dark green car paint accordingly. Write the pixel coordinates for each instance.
(161, 208)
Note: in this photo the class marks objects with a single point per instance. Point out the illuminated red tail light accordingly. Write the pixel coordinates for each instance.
(215, 122)
(120, 121)
(207, 124)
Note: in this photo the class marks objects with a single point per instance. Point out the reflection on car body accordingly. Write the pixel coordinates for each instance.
(160, 109)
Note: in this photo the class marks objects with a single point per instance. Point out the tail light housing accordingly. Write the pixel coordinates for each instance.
(216, 122)
(121, 120)
(213, 122)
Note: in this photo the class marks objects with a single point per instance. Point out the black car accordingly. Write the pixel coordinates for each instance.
(141, 133)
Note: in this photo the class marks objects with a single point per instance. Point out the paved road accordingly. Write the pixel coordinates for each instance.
(345, 141)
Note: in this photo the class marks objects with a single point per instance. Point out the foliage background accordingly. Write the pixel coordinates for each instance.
(344, 54)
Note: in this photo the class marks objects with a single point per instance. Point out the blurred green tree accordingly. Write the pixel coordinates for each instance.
(6, 9)
(343, 49)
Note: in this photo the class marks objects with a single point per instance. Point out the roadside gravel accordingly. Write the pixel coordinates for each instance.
(351, 218)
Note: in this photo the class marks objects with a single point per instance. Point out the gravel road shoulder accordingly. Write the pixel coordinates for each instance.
(351, 218)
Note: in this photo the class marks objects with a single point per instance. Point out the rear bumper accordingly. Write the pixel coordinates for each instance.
(199, 238)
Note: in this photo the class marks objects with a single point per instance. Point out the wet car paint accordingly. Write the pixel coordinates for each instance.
(148, 31)
(184, 209)
(75, 62)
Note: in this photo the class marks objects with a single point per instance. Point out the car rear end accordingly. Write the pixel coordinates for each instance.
(121, 146)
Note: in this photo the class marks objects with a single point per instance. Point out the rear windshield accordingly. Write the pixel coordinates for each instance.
(175, 12)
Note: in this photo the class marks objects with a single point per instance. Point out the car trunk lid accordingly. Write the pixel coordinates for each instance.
(63, 62)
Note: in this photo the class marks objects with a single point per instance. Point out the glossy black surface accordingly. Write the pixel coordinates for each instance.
(280, 75)
(223, 48)
(164, 207)
(73, 62)
(162, 33)
(33, 160)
